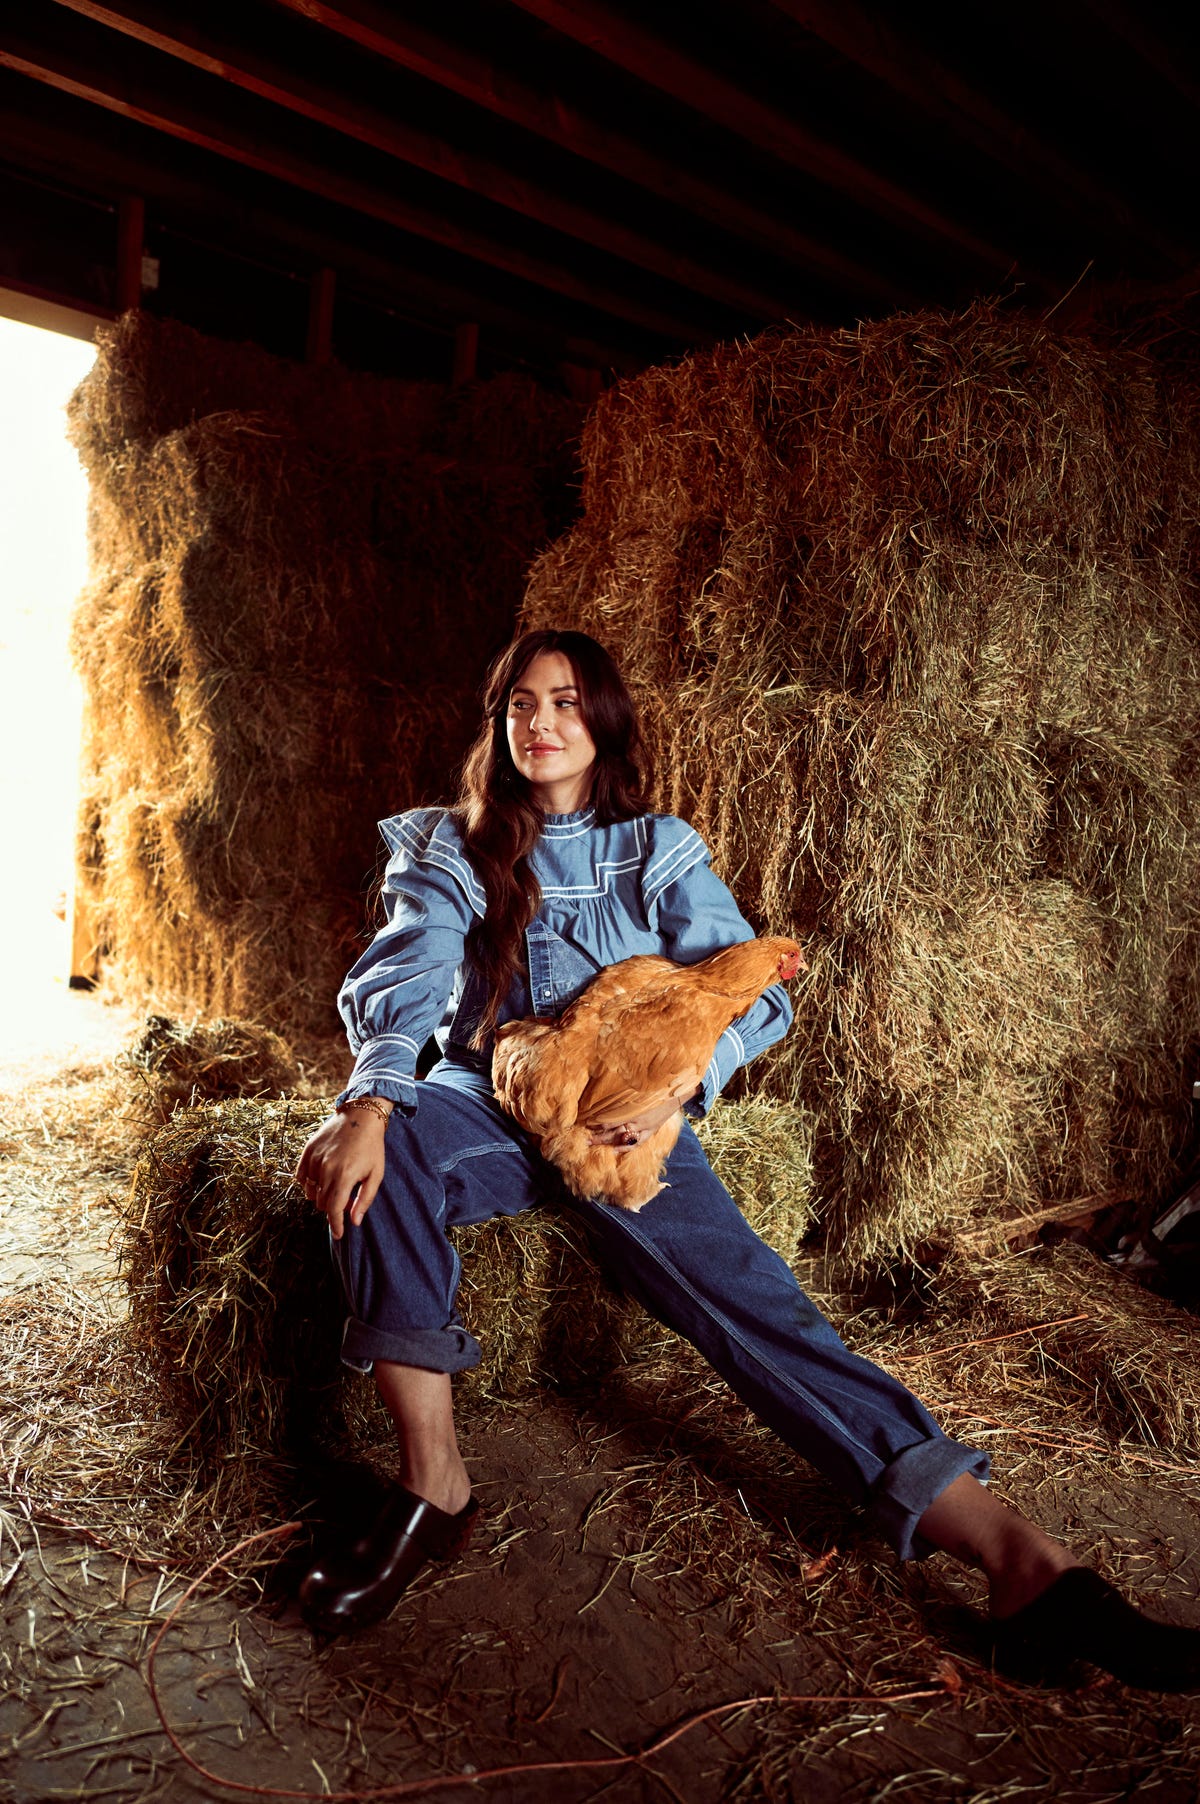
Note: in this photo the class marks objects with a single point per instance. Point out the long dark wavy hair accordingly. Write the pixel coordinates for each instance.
(498, 813)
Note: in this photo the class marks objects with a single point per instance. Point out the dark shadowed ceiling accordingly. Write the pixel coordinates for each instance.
(591, 185)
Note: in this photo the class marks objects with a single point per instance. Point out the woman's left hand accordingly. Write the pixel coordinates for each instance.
(627, 1134)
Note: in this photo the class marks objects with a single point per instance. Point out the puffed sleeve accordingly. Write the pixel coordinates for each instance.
(695, 915)
(396, 994)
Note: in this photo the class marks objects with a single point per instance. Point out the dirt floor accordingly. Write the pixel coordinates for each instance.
(648, 1561)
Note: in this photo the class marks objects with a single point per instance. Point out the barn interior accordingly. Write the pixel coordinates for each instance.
(836, 366)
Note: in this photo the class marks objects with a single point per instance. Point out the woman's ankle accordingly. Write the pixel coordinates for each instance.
(1027, 1569)
(1019, 1559)
(421, 1407)
(443, 1482)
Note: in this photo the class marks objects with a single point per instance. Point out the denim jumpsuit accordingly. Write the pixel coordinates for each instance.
(453, 1157)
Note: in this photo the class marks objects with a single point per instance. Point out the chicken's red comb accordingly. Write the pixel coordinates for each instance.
(790, 962)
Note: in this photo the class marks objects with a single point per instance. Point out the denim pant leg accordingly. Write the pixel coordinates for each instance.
(693, 1260)
(457, 1160)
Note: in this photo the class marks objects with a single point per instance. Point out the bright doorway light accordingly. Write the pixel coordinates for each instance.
(43, 565)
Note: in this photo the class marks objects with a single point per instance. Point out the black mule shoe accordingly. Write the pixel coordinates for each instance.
(1082, 1618)
(348, 1593)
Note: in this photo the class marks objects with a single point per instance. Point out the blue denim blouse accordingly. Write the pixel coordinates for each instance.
(607, 892)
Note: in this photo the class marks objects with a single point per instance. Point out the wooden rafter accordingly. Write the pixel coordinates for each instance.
(192, 43)
(651, 59)
(867, 40)
(59, 152)
(68, 314)
(438, 174)
(1132, 28)
(560, 121)
(139, 89)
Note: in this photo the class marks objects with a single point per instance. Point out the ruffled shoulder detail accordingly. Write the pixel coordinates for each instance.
(431, 836)
(673, 848)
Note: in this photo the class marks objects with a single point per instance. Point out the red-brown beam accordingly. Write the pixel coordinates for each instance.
(188, 42)
(131, 237)
(658, 63)
(557, 120)
(1136, 30)
(866, 40)
(30, 140)
(145, 101)
(466, 353)
(322, 293)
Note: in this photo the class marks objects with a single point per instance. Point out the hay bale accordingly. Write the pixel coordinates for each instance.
(176, 1064)
(911, 609)
(231, 1293)
(1132, 1359)
(762, 1153)
(234, 1297)
(297, 577)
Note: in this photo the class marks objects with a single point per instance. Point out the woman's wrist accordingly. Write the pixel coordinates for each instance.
(379, 1106)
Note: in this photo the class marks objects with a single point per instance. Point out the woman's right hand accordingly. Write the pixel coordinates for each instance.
(341, 1167)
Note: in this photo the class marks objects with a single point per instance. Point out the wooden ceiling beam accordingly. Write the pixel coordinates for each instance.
(553, 117)
(864, 38)
(1132, 28)
(661, 65)
(197, 209)
(71, 315)
(354, 118)
(142, 92)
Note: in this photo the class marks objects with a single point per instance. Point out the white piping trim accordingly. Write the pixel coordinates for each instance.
(680, 864)
(431, 851)
(570, 829)
(689, 835)
(602, 871)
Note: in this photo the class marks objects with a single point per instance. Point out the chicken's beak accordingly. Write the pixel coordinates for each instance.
(790, 963)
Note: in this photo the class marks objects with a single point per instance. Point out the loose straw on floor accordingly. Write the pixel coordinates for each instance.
(992, 1340)
(411, 1788)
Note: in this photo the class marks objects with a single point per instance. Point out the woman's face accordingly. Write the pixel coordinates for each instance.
(547, 734)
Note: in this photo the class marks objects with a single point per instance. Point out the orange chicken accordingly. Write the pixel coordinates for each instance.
(641, 1035)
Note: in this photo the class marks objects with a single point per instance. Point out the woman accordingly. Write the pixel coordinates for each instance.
(550, 868)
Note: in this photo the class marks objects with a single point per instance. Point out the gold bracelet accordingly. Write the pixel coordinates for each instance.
(366, 1102)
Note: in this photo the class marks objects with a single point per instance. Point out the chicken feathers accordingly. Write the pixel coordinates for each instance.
(640, 1036)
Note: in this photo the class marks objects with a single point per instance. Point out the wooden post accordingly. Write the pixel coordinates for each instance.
(321, 294)
(131, 237)
(84, 936)
(582, 382)
(466, 354)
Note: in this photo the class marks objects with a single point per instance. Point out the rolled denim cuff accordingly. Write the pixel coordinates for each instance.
(916, 1478)
(385, 1066)
(449, 1349)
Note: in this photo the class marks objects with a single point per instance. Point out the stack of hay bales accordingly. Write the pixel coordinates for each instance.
(298, 576)
(909, 611)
